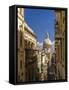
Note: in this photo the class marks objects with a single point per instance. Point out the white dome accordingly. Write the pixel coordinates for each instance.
(47, 40)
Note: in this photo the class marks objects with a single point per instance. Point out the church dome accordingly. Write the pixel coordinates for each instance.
(47, 41)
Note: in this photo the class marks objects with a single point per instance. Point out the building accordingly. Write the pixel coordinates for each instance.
(39, 54)
(47, 44)
(46, 57)
(60, 44)
(30, 53)
(52, 68)
(29, 37)
(27, 58)
(21, 59)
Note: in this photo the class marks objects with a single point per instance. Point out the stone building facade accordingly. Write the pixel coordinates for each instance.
(60, 44)
(21, 59)
(26, 50)
(46, 57)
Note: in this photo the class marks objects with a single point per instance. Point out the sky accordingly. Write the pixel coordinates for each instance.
(41, 21)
